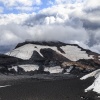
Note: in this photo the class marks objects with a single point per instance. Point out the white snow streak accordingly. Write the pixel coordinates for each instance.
(27, 68)
(4, 86)
(96, 84)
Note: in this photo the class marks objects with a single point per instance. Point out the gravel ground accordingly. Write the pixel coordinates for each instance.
(33, 88)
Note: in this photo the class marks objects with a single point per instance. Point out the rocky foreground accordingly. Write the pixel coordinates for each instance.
(36, 89)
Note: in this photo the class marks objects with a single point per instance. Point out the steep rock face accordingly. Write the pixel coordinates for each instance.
(89, 62)
(50, 54)
(36, 56)
(78, 65)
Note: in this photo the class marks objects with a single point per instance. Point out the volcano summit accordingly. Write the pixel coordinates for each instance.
(58, 56)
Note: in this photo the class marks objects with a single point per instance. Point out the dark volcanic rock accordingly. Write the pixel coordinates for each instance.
(88, 62)
(36, 57)
(6, 60)
(39, 72)
(50, 54)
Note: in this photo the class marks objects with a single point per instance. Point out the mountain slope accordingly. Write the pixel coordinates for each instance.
(6, 60)
(72, 52)
(52, 54)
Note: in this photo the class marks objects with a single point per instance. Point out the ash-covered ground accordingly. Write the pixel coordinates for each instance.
(32, 88)
(45, 87)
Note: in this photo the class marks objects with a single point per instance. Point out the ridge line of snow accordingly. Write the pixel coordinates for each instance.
(71, 52)
(96, 84)
(92, 74)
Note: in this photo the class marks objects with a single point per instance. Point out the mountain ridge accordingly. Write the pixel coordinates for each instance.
(52, 54)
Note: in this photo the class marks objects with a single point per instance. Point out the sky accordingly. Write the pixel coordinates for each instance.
(69, 21)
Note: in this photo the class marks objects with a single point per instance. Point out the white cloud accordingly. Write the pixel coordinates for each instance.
(14, 18)
(27, 5)
(66, 22)
(13, 33)
(90, 4)
(50, 2)
(62, 1)
(10, 3)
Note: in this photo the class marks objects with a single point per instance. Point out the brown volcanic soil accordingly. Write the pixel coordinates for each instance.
(69, 89)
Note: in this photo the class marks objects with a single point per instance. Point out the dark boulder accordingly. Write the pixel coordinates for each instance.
(20, 70)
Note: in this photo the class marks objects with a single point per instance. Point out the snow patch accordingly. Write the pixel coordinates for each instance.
(27, 68)
(56, 69)
(74, 53)
(92, 74)
(96, 84)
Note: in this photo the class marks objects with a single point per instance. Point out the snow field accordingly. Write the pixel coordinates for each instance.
(71, 52)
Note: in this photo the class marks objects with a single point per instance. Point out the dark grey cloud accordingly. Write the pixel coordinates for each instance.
(75, 22)
(87, 24)
(92, 10)
(6, 48)
(40, 19)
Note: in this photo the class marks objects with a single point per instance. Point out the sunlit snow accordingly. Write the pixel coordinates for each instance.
(27, 67)
(56, 69)
(96, 84)
(71, 52)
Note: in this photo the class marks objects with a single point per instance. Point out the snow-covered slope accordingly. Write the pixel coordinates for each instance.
(74, 53)
(96, 84)
(71, 52)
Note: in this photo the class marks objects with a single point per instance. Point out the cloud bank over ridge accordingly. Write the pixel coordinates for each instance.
(76, 21)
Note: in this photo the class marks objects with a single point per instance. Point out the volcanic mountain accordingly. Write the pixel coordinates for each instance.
(54, 54)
